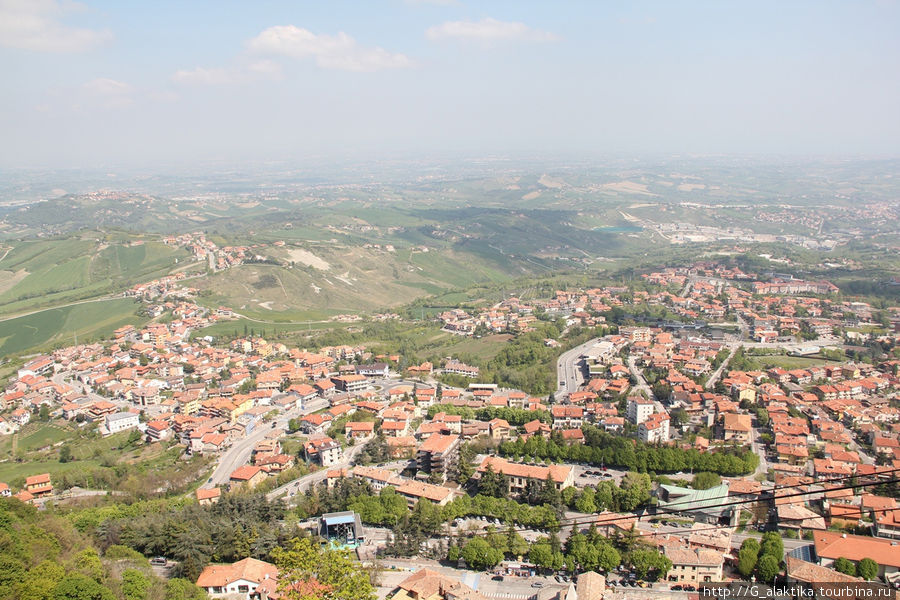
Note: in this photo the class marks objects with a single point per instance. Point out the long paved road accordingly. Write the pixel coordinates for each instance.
(568, 369)
(711, 382)
(240, 452)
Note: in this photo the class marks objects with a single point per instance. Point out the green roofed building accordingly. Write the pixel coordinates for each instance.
(705, 506)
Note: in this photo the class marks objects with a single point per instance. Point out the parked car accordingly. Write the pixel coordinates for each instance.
(159, 561)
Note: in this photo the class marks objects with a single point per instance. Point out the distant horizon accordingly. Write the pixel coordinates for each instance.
(100, 82)
(163, 168)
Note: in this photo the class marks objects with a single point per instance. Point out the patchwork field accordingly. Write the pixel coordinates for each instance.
(44, 273)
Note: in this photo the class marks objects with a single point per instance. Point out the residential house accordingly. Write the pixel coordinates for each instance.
(562, 476)
(208, 496)
(414, 491)
(377, 478)
(39, 485)
(438, 455)
(426, 584)
(566, 416)
(247, 475)
(351, 383)
(654, 429)
(323, 450)
(693, 565)
(359, 430)
(638, 409)
(831, 545)
(238, 581)
(734, 426)
(121, 421)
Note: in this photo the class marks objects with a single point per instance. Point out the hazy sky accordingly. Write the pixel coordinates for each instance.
(120, 82)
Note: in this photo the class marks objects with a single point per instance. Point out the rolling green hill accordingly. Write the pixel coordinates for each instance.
(92, 320)
(46, 273)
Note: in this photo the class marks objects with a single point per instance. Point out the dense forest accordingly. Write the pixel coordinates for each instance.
(43, 556)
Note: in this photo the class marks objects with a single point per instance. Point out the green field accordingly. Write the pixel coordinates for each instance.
(34, 436)
(10, 471)
(89, 321)
(46, 273)
(230, 329)
(786, 362)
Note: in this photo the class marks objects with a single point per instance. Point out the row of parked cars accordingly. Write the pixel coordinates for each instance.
(686, 587)
(629, 583)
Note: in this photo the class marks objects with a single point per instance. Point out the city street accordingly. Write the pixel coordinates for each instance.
(240, 451)
(568, 369)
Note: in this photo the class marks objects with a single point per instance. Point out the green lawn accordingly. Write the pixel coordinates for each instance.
(483, 349)
(44, 437)
(228, 328)
(787, 362)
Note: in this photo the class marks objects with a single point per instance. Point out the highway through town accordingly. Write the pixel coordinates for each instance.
(568, 369)
(239, 453)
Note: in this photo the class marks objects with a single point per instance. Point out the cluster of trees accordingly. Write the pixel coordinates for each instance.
(385, 509)
(705, 481)
(543, 516)
(496, 485)
(514, 416)
(525, 362)
(582, 552)
(308, 570)
(43, 557)
(376, 451)
(866, 568)
(236, 527)
(602, 448)
(389, 509)
(762, 559)
(634, 491)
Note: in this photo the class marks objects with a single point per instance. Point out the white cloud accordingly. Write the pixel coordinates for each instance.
(242, 72)
(109, 92)
(36, 25)
(330, 51)
(266, 68)
(434, 2)
(202, 76)
(108, 87)
(488, 30)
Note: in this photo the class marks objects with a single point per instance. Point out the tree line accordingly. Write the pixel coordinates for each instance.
(513, 416)
(604, 449)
